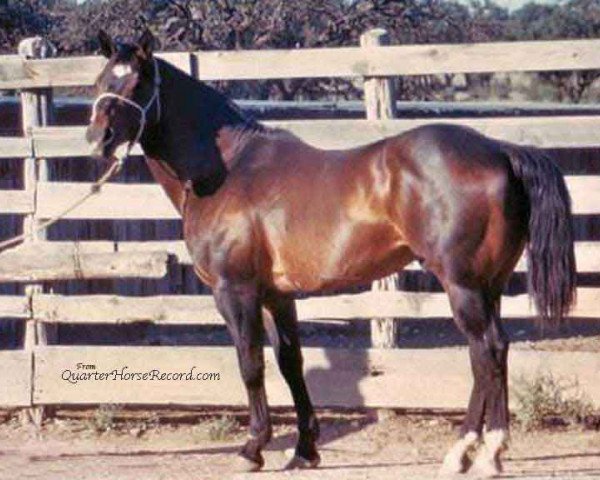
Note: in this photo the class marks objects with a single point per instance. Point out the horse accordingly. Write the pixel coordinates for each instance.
(266, 215)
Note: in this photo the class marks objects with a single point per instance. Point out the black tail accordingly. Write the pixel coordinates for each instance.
(551, 272)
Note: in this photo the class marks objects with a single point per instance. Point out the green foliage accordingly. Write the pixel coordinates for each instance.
(272, 24)
(20, 19)
(223, 428)
(104, 417)
(544, 398)
(573, 19)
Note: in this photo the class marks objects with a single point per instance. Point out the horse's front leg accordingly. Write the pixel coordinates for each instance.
(239, 304)
(283, 331)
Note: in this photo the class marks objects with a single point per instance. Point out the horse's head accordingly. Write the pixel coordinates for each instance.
(128, 95)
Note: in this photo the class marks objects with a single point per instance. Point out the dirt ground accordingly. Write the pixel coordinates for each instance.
(153, 445)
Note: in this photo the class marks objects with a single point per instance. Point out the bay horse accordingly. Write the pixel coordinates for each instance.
(266, 215)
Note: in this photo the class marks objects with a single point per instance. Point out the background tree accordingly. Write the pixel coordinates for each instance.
(19, 19)
(271, 24)
(570, 20)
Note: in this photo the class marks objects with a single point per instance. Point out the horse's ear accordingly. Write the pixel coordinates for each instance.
(107, 46)
(147, 44)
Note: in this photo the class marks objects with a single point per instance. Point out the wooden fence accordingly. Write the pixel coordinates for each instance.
(36, 374)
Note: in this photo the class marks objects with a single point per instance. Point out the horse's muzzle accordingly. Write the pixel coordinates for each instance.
(94, 134)
(100, 139)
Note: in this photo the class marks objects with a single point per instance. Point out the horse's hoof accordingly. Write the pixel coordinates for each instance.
(487, 463)
(453, 465)
(298, 463)
(243, 464)
(486, 467)
(457, 459)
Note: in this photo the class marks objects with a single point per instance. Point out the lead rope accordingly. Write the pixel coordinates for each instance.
(112, 170)
(94, 189)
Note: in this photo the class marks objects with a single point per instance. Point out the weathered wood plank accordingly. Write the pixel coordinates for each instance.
(16, 202)
(14, 306)
(114, 201)
(200, 309)
(325, 62)
(122, 201)
(545, 132)
(426, 305)
(60, 142)
(15, 380)
(15, 147)
(11, 70)
(380, 105)
(587, 254)
(65, 72)
(585, 194)
(399, 60)
(37, 110)
(379, 92)
(46, 261)
(175, 248)
(335, 377)
(192, 309)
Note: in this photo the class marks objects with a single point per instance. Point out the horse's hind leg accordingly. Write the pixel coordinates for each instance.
(495, 358)
(283, 332)
(240, 306)
(476, 314)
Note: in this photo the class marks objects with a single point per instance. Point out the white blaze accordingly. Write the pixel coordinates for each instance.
(121, 70)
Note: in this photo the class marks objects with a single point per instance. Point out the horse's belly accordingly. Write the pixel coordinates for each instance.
(341, 261)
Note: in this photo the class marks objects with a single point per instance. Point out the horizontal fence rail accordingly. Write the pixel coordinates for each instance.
(337, 377)
(200, 309)
(399, 60)
(587, 254)
(543, 132)
(33, 263)
(332, 62)
(122, 201)
(14, 306)
(12, 147)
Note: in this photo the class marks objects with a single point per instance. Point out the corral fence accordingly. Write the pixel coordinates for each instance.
(377, 377)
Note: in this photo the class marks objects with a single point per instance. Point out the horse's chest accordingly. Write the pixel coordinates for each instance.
(201, 259)
(221, 247)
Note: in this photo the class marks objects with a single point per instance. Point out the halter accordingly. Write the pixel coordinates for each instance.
(142, 110)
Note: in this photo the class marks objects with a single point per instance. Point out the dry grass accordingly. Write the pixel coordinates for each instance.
(544, 400)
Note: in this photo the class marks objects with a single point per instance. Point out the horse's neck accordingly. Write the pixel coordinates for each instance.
(192, 117)
(167, 178)
(232, 142)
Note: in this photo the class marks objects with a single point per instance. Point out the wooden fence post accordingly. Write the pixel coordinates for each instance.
(36, 111)
(380, 104)
(379, 91)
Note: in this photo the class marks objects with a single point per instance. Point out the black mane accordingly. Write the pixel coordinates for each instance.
(192, 114)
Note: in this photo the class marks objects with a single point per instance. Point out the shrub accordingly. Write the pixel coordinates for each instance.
(104, 417)
(544, 398)
(223, 428)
